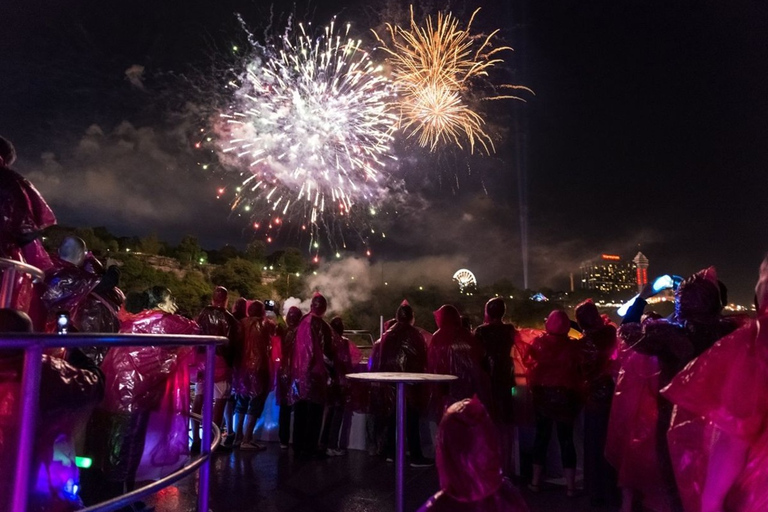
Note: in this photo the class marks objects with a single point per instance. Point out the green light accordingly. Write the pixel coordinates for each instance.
(513, 391)
(83, 462)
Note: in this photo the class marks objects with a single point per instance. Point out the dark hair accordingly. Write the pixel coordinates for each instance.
(337, 324)
(7, 152)
(157, 295)
(12, 320)
(495, 308)
(404, 313)
(220, 296)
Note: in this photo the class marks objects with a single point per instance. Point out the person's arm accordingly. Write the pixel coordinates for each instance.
(727, 458)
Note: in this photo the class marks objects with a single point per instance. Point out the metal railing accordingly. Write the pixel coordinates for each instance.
(10, 269)
(33, 345)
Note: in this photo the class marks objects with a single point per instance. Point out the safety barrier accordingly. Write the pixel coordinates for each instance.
(33, 345)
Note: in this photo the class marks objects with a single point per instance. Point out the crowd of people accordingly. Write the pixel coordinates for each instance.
(674, 409)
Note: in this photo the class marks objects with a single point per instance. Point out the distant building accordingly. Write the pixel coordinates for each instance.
(611, 273)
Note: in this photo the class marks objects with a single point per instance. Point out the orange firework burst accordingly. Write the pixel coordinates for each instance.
(434, 68)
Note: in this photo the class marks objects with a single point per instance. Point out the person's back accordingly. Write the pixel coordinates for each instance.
(469, 466)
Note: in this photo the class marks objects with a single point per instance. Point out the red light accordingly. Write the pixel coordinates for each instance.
(368, 253)
(611, 257)
(197, 145)
(255, 225)
(277, 220)
(315, 259)
(269, 239)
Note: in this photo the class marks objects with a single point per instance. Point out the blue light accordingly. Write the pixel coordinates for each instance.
(663, 283)
(625, 307)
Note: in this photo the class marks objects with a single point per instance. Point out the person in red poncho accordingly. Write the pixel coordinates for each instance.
(469, 465)
(250, 380)
(554, 376)
(312, 359)
(599, 345)
(718, 439)
(403, 349)
(697, 323)
(140, 431)
(496, 341)
(24, 214)
(215, 320)
(338, 392)
(454, 351)
(292, 319)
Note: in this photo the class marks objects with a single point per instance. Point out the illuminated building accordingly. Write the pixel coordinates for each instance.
(612, 273)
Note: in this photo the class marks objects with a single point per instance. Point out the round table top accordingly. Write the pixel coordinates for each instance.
(400, 377)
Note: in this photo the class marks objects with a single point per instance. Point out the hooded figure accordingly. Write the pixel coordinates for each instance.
(599, 345)
(695, 326)
(554, 375)
(283, 397)
(718, 440)
(310, 368)
(24, 214)
(143, 418)
(453, 351)
(250, 377)
(468, 464)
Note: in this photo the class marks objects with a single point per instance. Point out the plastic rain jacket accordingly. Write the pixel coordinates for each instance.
(724, 389)
(454, 351)
(252, 356)
(67, 396)
(23, 214)
(469, 464)
(147, 393)
(402, 349)
(497, 341)
(309, 365)
(217, 321)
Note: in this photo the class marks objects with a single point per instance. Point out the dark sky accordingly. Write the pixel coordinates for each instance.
(647, 129)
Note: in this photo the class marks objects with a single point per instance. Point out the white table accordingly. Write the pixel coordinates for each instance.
(400, 379)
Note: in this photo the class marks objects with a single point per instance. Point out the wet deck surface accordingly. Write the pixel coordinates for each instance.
(272, 481)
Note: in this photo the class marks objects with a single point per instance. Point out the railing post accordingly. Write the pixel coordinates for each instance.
(205, 443)
(6, 287)
(30, 394)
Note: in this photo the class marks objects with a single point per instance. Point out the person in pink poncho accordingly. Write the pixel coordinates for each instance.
(718, 439)
(250, 380)
(283, 398)
(312, 358)
(554, 375)
(24, 214)
(140, 383)
(695, 326)
(469, 464)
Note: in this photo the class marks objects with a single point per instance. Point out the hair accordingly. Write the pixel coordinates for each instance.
(240, 308)
(404, 313)
(293, 316)
(157, 295)
(495, 308)
(337, 324)
(220, 296)
(319, 305)
(7, 152)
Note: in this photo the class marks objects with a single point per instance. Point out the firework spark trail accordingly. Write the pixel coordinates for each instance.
(434, 70)
(310, 121)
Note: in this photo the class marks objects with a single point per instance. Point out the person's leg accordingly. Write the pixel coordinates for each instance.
(506, 433)
(567, 453)
(337, 417)
(540, 445)
(325, 431)
(241, 408)
(284, 425)
(300, 418)
(346, 426)
(413, 434)
(197, 407)
(389, 424)
(255, 409)
(314, 426)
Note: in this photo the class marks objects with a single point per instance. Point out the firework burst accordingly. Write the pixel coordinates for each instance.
(311, 125)
(434, 69)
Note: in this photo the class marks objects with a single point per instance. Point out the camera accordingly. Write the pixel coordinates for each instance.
(62, 322)
(269, 305)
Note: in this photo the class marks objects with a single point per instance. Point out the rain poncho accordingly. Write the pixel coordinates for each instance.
(599, 345)
(67, 394)
(292, 319)
(23, 215)
(554, 370)
(342, 365)
(469, 464)
(723, 390)
(144, 416)
(309, 372)
(454, 351)
(76, 290)
(251, 360)
(217, 321)
(401, 349)
(497, 340)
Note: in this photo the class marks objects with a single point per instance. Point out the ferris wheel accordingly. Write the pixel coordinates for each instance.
(465, 278)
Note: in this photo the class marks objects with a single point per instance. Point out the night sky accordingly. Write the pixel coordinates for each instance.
(647, 129)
